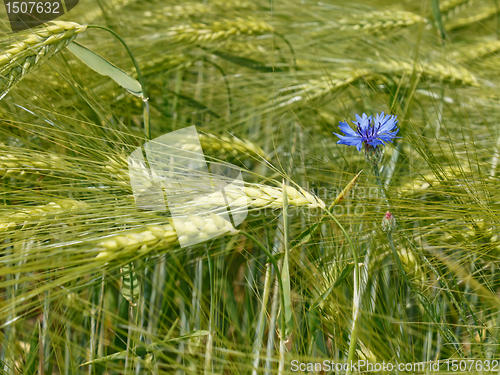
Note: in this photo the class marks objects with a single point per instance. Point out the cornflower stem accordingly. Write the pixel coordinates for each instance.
(376, 172)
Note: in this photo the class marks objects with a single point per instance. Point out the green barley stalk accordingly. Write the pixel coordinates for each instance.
(35, 48)
(179, 11)
(157, 14)
(483, 14)
(210, 341)
(253, 196)
(261, 196)
(286, 313)
(37, 214)
(429, 183)
(261, 323)
(257, 196)
(353, 339)
(19, 164)
(477, 51)
(381, 21)
(316, 88)
(452, 5)
(451, 8)
(388, 70)
(232, 145)
(435, 71)
(200, 32)
(143, 240)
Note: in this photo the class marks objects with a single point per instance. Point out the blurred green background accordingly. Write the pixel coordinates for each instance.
(265, 84)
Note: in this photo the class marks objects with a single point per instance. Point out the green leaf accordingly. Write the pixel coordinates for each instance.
(113, 357)
(104, 67)
(141, 351)
(194, 103)
(248, 63)
(305, 236)
(438, 18)
(345, 272)
(308, 233)
(190, 335)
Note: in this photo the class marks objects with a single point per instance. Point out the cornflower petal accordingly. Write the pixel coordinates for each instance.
(376, 131)
(347, 129)
(388, 125)
(347, 140)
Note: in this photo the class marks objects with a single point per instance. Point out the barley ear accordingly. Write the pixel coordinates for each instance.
(166, 235)
(35, 48)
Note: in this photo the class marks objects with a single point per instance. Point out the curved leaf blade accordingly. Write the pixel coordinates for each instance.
(105, 68)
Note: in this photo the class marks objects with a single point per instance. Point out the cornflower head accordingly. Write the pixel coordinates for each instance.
(388, 222)
(370, 132)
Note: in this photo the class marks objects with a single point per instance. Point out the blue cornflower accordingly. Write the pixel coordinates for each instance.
(371, 132)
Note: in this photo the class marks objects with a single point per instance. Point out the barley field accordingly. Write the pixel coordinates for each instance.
(330, 261)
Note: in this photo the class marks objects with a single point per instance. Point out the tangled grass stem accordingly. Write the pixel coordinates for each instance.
(422, 299)
(356, 296)
(426, 304)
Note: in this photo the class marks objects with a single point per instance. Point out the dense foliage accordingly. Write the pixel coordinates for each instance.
(91, 283)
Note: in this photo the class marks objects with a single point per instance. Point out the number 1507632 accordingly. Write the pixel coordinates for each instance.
(469, 365)
(30, 7)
